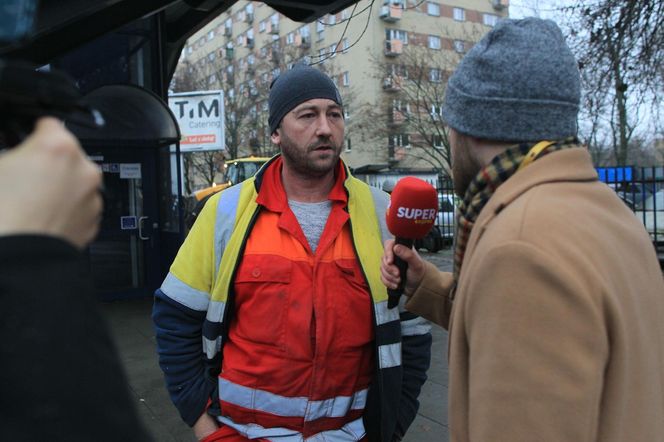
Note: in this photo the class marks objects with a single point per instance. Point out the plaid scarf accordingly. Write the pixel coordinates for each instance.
(483, 186)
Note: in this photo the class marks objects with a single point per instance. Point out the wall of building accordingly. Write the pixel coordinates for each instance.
(351, 46)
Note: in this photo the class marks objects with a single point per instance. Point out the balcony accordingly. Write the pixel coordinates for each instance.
(499, 5)
(391, 13)
(250, 42)
(228, 31)
(249, 17)
(395, 118)
(393, 47)
(272, 28)
(392, 83)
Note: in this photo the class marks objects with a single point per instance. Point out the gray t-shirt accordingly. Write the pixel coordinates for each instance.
(312, 218)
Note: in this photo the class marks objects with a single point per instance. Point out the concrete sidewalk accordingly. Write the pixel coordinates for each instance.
(132, 327)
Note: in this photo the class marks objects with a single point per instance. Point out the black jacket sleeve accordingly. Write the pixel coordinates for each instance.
(62, 377)
(415, 360)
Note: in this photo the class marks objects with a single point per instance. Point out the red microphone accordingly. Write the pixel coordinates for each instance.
(410, 216)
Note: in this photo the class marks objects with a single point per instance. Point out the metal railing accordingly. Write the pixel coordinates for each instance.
(642, 190)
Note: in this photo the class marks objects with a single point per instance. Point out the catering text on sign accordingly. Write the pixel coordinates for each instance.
(201, 119)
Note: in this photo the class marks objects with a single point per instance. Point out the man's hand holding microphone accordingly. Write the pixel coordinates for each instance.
(413, 209)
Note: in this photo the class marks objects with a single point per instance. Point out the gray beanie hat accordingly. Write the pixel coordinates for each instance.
(296, 86)
(519, 83)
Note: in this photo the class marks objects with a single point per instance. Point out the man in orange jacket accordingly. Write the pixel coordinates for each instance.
(279, 279)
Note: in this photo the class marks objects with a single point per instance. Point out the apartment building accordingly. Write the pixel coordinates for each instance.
(390, 61)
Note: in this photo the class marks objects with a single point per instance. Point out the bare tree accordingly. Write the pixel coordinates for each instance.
(410, 109)
(620, 48)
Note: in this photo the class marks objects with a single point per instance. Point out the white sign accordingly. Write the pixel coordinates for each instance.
(130, 171)
(200, 116)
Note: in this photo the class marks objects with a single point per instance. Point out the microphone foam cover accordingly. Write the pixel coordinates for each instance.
(413, 208)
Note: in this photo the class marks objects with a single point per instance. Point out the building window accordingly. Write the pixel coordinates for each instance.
(212, 79)
(459, 14)
(211, 56)
(304, 31)
(348, 145)
(396, 34)
(290, 38)
(262, 26)
(251, 59)
(434, 75)
(190, 49)
(436, 111)
(331, 19)
(240, 40)
(437, 141)
(434, 42)
(401, 106)
(322, 53)
(264, 51)
(229, 23)
(333, 50)
(398, 140)
(320, 28)
(459, 46)
(210, 35)
(345, 44)
(346, 79)
(345, 14)
(399, 70)
(489, 19)
(433, 9)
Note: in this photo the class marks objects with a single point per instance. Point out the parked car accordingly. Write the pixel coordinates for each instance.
(446, 220)
(442, 233)
(651, 212)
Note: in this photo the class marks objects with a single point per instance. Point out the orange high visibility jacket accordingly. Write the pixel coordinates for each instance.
(305, 343)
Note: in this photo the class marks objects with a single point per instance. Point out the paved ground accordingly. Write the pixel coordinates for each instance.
(132, 327)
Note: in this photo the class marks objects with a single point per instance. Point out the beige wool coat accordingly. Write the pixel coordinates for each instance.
(556, 330)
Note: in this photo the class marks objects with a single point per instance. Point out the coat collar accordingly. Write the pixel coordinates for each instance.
(272, 195)
(568, 165)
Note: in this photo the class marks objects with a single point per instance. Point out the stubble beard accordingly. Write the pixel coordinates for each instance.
(465, 167)
(306, 162)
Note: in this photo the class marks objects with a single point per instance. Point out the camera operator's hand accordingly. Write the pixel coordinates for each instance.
(49, 187)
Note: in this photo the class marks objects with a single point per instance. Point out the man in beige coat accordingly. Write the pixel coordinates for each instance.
(555, 309)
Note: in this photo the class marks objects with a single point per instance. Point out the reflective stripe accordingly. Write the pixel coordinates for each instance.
(225, 221)
(255, 399)
(211, 348)
(416, 326)
(385, 315)
(351, 432)
(255, 431)
(389, 355)
(336, 407)
(185, 294)
(215, 311)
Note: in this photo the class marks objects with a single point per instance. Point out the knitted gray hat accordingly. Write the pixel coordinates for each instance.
(519, 83)
(296, 86)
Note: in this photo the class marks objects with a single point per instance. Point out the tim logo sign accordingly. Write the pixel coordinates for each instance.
(201, 119)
